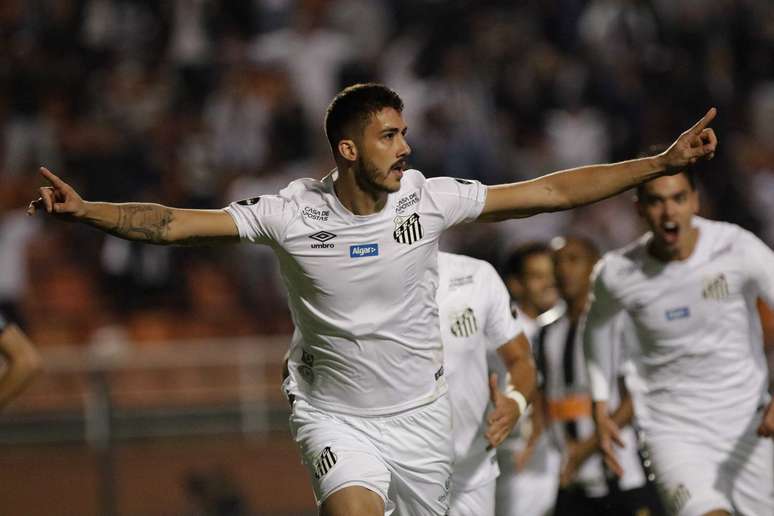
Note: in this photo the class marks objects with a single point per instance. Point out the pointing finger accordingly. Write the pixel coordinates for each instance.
(52, 178)
(699, 126)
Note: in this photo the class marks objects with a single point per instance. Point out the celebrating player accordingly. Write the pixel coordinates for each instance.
(476, 317)
(690, 286)
(358, 254)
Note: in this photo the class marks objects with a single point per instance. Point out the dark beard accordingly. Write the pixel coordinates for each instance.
(365, 175)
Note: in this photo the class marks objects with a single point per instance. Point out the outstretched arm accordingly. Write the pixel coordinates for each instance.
(22, 359)
(584, 185)
(144, 222)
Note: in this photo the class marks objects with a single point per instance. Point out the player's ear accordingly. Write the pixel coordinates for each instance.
(348, 150)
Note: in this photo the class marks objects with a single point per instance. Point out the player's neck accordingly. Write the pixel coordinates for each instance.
(529, 310)
(680, 252)
(356, 197)
(576, 306)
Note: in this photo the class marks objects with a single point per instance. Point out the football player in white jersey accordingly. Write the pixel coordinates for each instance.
(475, 315)
(529, 463)
(22, 360)
(690, 286)
(358, 254)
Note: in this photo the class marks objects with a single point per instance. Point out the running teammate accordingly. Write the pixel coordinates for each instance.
(587, 487)
(358, 254)
(690, 286)
(22, 360)
(475, 316)
(529, 463)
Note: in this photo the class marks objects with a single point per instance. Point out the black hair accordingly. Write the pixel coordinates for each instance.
(588, 245)
(517, 260)
(688, 172)
(351, 109)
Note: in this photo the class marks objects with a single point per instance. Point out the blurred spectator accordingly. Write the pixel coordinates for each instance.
(201, 102)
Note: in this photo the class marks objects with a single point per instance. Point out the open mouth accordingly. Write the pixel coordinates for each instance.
(671, 231)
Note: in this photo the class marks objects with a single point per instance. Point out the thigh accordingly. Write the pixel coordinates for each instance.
(418, 449)
(353, 501)
(748, 475)
(337, 455)
(531, 491)
(687, 474)
(479, 501)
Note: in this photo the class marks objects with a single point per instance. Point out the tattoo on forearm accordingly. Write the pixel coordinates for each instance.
(145, 222)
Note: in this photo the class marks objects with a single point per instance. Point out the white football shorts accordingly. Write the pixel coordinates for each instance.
(405, 458)
(478, 501)
(696, 476)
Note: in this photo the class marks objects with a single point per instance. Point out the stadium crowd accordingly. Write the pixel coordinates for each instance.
(196, 103)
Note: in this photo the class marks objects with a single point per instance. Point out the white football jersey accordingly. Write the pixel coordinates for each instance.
(475, 318)
(700, 366)
(361, 289)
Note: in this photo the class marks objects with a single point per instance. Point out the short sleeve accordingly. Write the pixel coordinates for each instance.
(458, 200)
(760, 265)
(599, 327)
(500, 326)
(262, 220)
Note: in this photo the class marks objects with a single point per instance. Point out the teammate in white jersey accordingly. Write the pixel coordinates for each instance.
(529, 463)
(358, 254)
(690, 286)
(475, 318)
(22, 360)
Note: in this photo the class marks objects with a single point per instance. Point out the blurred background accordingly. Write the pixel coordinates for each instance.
(161, 389)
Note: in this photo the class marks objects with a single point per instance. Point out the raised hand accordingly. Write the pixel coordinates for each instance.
(59, 199)
(698, 142)
(504, 416)
(609, 434)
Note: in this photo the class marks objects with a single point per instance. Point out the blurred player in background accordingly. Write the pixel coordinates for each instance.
(529, 464)
(587, 487)
(22, 360)
(476, 317)
(358, 254)
(690, 286)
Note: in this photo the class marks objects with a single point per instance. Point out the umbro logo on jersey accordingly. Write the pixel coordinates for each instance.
(324, 463)
(463, 181)
(465, 324)
(715, 288)
(322, 238)
(407, 230)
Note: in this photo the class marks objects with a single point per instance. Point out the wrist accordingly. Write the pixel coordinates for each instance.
(87, 211)
(518, 397)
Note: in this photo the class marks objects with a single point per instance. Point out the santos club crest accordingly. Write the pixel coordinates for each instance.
(407, 229)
